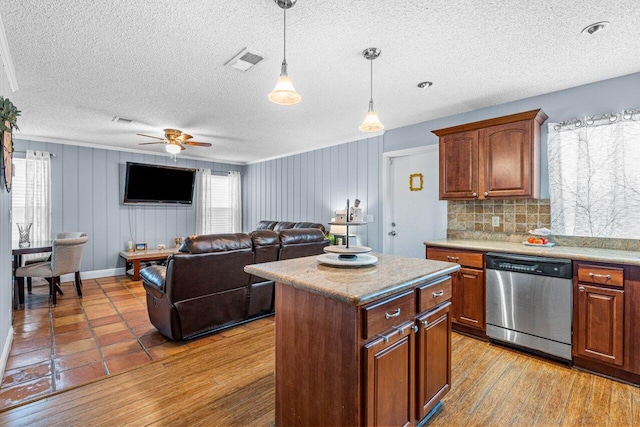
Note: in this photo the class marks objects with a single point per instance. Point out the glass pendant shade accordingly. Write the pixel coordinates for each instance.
(172, 148)
(284, 93)
(371, 121)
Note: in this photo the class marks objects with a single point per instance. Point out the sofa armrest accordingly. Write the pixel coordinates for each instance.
(153, 279)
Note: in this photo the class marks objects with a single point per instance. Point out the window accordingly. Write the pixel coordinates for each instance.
(18, 197)
(218, 203)
(594, 178)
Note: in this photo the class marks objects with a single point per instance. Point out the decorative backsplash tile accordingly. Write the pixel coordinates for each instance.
(472, 220)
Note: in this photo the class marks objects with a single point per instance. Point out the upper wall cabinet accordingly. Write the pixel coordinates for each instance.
(496, 158)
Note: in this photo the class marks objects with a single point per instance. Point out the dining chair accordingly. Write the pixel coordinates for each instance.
(47, 256)
(66, 256)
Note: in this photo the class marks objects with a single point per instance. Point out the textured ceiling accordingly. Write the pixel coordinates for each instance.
(161, 63)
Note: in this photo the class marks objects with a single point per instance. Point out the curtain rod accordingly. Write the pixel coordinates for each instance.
(24, 152)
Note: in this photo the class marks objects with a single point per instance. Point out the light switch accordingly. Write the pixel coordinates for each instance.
(495, 221)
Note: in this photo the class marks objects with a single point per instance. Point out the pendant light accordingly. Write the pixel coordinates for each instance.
(284, 93)
(371, 121)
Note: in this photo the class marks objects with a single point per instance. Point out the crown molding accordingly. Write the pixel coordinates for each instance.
(5, 55)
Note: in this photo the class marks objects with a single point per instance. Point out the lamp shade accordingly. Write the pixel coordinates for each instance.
(371, 123)
(172, 148)
(284, 93)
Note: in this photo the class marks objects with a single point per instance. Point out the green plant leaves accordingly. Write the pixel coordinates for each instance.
(8, 113)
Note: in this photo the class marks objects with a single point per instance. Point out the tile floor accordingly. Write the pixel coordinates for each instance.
(106, 332)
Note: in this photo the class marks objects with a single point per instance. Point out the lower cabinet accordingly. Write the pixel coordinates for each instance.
(389, 379)
(469, 297)
(408, 370)
(433, 358)
(600, 327)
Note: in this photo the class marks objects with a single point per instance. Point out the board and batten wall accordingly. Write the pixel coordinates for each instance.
(6, 285)
(311, 186)
(86, 196)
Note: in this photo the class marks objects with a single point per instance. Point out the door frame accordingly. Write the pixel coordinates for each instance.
(387, 198)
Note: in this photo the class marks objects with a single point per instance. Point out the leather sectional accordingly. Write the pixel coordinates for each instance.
(204, 288)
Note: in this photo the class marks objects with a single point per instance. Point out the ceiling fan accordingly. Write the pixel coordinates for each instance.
(174, 141)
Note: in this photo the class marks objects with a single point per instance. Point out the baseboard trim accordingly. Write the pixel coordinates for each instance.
(95, 274)
(5, 351)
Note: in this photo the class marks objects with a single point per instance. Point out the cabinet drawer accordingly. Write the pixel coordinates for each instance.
(434, 293)
(601, 275)
(383, 315)
(466, 259)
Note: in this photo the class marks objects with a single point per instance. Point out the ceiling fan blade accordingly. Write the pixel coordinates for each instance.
(198, 144)
(149, 136)
(149, 143)
(184, 137)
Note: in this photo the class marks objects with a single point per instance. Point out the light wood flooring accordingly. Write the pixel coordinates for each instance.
(231, 383)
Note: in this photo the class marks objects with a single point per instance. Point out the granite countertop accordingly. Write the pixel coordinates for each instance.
(353, 286)
(615, 256)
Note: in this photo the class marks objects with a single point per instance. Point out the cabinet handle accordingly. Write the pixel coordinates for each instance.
(581, 288)
(602, 276)
(395, 330)
(415, 328)
(453, 258)
(438, 294)
(388, 315)
(474, 194)
(425, 324)
(486, 194)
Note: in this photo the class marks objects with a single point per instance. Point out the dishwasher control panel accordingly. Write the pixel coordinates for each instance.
(552, 267)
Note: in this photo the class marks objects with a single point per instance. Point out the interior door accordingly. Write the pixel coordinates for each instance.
(414, 216)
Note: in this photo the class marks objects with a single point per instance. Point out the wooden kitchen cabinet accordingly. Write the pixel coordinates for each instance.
(600, 328)
(433, 358)
(468, 296)
(496, 158)
(390, 378)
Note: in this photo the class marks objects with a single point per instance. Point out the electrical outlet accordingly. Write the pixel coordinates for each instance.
(369, 218)
(495, 221)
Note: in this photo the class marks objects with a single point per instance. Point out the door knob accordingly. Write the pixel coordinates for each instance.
(392, 233)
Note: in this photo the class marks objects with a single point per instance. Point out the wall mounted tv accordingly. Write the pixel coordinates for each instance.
(155, 184)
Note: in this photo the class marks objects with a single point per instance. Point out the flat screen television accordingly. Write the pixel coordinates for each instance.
(155, 184)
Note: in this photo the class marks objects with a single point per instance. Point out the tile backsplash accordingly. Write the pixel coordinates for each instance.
(472, 219)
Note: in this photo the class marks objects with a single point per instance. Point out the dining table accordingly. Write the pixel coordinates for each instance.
(18, 252)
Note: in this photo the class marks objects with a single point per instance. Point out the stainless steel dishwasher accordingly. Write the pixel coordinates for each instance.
(529, 302)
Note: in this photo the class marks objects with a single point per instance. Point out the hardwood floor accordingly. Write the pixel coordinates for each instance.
(231, 383)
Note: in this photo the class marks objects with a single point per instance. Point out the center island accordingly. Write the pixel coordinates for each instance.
(360, 346)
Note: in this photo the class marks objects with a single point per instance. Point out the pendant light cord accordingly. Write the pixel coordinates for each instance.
(371, 60)
(285, 33)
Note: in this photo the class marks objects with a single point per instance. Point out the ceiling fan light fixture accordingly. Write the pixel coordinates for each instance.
(284, 93)
(371, 121)
(172, 148)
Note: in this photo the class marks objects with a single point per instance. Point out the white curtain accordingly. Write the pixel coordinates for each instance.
(218, 202)
(38, 194)
(594, 177)
(235, 202)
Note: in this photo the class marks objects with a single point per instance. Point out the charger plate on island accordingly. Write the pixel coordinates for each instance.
(358, 260)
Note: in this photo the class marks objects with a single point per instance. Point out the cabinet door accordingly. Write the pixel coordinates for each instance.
(506, 159)
(600, 328)
(434, 358)
(390, 379)
(459, 165)
(469, 298)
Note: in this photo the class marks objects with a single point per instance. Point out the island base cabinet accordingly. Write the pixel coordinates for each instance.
(434, 358)
(389, 378)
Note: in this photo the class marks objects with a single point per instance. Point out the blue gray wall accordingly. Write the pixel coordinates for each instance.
(283, 189)
(6, 286)
(86, 196)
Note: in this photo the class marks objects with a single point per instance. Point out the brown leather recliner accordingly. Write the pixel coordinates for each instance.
(204, 287)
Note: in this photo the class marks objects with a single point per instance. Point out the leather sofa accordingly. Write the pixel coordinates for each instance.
(287, 225)
(204, 288)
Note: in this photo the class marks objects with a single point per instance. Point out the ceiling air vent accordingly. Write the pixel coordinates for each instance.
(244, 60)
(122, 120)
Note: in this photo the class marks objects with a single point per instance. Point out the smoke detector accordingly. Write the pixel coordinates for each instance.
(245, 60)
